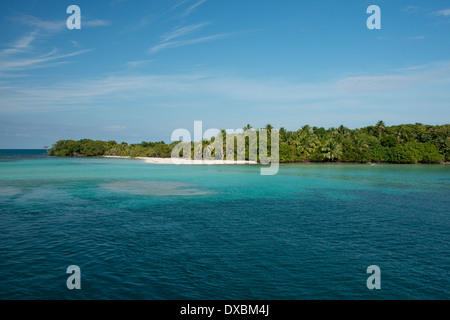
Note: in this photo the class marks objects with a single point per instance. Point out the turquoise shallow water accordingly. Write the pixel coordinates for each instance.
(143, 231)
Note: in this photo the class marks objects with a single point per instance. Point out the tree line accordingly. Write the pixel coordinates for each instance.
(406, 143)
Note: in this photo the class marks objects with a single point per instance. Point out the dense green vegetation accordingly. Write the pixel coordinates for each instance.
(409, 143)
(91, 148)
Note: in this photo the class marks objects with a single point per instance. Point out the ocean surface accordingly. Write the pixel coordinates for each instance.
(145, 231)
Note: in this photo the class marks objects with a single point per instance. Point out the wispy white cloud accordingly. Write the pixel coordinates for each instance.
(179, 32)
(445, 12)
(189, 10)
(114, 128)
(20, 45)
(412, 68)
(180, 43)
(178, 4)
(95, 23)
(215, 89)
(27, 52)
(411, 9)
(376, 83)
(137, 63)
(392, 82)
(417, 37)
(159, 10)
(16, 63)
(55, 25)
(171, 39)
(25, 41)
(49, 26)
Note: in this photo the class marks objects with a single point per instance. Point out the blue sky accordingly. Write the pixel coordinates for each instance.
(138, 70)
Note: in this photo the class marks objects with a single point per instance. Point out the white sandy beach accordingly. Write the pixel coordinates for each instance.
(183, 161)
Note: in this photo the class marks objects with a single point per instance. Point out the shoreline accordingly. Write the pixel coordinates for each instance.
(152, 160)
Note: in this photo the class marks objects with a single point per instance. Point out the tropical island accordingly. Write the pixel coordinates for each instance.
(406, 143)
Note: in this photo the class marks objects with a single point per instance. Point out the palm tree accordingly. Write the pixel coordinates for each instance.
(343, 131)
(332, 150)
(360, 143)
(283, 134)
(306, 128)
(306, 142)
(402, 136)
(247, 127)
(380, 126)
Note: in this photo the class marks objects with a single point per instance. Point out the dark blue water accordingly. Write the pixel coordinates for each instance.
(22, 154)
(143, 231)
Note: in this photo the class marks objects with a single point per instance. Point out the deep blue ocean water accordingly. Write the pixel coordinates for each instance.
(144, 231)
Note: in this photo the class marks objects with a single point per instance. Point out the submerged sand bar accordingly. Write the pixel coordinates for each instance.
(184, 161)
